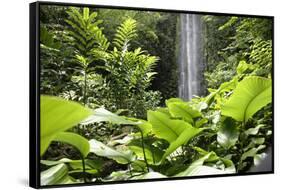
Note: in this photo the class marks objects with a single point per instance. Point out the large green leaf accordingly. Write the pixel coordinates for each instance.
(79, 142)
(56, 175)
(197, 167)
(228, 133)
(118, 176)
(58, 115)
(75, 164)
(179, 108)
(145, 127)
(103, 115)
(244, 66)
(183, 110)
(171, 100)
(203, 170)
(164, 127)
(252, 152)
(125, 33)
(248, 97)
(103, 150)
(183, 138)
(153, 154)
(224, 87)
(176, 132)
(150, 175)
(56, 162)
(255, 130)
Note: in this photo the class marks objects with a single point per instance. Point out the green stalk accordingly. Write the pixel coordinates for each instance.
(84, 169)
(144, 156)
(153, 157)
(85, 86)
(152, 152)
(130, 170)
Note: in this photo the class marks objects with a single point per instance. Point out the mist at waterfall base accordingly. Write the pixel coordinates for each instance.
(190, 56)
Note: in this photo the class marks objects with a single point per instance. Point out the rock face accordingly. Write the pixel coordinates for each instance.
(190, 56)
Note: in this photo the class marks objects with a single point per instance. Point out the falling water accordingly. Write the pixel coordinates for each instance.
(190, 56)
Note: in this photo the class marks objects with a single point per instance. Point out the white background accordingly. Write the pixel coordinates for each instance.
(14, 53)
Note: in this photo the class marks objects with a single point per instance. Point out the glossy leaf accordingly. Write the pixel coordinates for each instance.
(176, 132)
(204, 170)
(228, 133)
(183, 110)
(250, 95)
(56, 175)
(103, 115)
(103, 150)
(75, 140)
(226, 86)
(118, 176)
(201, 122)
(243, 66)
(254, 131)
(252, 152)
(75, 164)
(164, 110)
(153, 154)
(146, 128)
(150, 175)
(52, 162)
(164, 127)
(58, 115)
(182, 139)
(197, 167)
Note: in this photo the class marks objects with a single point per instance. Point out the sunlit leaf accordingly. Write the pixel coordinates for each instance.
(103, 115)
(164, 127)
(253, 131)
(252, 152)
(75, 164)
(103, 150)
(58, 115)
(145, 127)
(197, 167)
(243, 66)
(150, 175)
(75, 140)
(182, 110)
(250, 95)
(153, 154)
(56, 175)
(176, 132)
(182, 139)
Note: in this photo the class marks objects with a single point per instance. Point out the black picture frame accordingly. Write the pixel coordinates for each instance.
(34, 91)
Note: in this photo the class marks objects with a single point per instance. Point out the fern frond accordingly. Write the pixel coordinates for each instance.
(125, 33)
(76, 28)
(102, 40)
(84, 33)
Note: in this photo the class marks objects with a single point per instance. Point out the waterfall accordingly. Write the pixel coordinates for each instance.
(190, 56)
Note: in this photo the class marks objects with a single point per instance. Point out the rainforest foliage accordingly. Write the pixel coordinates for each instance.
(109, 100)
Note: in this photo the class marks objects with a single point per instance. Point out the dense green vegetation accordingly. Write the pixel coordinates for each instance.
(110, 109)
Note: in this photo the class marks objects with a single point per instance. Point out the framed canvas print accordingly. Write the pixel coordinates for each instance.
(121, 94)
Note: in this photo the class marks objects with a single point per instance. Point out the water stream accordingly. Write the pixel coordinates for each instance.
(190, 56)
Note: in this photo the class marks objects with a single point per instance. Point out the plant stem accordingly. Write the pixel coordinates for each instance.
(85, 86)
(84, 169)
(151, 149)
(130, 170)
(144, 156)
(153, 156)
